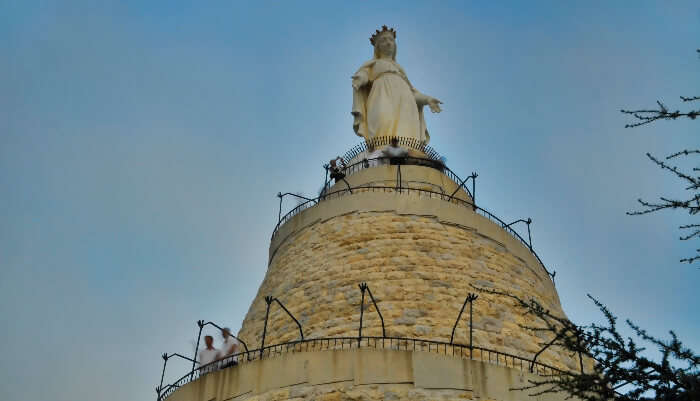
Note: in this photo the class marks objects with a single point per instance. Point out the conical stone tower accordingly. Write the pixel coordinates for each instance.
(365, 285)
(412, 234)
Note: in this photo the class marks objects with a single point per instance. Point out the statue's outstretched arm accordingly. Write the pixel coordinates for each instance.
(425, 100)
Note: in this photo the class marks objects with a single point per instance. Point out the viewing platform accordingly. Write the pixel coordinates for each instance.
(422, 174)
(411, 229)
(370, 368)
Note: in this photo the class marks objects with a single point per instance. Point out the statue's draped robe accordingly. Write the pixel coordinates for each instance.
(386, 105)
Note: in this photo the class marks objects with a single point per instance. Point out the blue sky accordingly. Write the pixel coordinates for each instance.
(142, 145)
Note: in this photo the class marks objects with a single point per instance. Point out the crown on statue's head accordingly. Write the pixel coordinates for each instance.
(385, 29)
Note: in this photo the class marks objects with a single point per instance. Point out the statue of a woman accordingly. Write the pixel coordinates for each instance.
(384, 103)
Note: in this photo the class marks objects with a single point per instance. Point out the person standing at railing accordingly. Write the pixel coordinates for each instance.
(337, 167)
(373, 157)
(229, 347)
(394, 152)
(208, 355)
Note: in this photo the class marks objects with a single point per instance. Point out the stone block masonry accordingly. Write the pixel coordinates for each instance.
(419, 264)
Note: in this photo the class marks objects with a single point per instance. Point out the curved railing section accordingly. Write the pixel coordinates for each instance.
(349, 343)
(408, 191)
(410, 143)
(364, 164)
(403, 161)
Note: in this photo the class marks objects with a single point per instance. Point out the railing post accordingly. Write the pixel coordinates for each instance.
(200, 323)
(247, 352)
(325, 181)
(457, 321)
(377, 308)
(162, 375)
(474, 175)
(279, 214)
(301, 333)
(470, 298)
(529, 235)
(363, 287)
(461, 184)
(268, 300)
(471, 303)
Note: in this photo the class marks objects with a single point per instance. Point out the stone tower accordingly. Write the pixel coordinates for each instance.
(407, 229)
(366, 284)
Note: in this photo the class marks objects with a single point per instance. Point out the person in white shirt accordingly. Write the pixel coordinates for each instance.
(230, 346)
(208, 355)
(373, 157)
(394, 151)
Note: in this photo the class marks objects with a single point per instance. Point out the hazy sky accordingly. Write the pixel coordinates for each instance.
(142, 145)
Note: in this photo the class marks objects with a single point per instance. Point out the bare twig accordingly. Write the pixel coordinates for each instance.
(691, 204)
(682, 152)
(662, 113)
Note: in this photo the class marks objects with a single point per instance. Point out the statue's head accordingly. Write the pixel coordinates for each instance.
(384, 42)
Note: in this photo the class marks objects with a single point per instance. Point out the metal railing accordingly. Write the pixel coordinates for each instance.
(403, 142)
(360, 341)
(404, 161)
(415, 191)
(385, 160)
(364, 164)
(349, 343)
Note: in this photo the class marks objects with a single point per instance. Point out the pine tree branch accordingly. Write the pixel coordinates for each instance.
(619, 363)
(682, 152)
(692, 259)
(690, 204)
(693, 181)
(662, 113)
(694, 234)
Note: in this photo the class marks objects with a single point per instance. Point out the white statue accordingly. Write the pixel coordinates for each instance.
(384, 103)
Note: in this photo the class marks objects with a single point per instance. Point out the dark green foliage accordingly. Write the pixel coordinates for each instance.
(620, 368)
